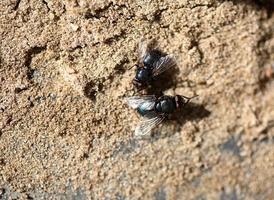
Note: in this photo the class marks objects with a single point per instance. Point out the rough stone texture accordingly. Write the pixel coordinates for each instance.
(65, 132)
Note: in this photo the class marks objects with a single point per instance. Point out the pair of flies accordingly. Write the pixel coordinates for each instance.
(154, 109)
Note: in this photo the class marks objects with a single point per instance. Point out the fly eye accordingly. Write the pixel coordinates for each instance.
(158, 107)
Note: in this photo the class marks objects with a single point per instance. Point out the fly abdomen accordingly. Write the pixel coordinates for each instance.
(152, 57)
(142, 112)
(143, 109)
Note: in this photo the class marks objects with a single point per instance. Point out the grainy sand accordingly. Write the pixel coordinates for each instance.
(65, 132)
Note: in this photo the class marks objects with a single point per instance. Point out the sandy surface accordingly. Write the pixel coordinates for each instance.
(65, 132)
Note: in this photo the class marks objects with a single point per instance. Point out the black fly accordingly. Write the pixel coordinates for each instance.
(155, 109)
(151, 64)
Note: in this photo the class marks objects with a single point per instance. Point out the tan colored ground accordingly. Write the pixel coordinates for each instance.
(66, 134)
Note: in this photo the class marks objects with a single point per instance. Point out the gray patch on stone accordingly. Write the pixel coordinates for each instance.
(231, 146)
(6, 193)
(229, 196)
(120, 197)
(160, 194)
(200, 197)
(126, 148)
(196, 182)
(78, 194)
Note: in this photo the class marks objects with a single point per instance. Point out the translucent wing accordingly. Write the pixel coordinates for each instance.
(144, 47)
(145, 126)
(163, 64)
(147, 101)
(142, 50)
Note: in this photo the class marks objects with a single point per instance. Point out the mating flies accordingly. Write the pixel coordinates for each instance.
(155, 109)
(152, 63)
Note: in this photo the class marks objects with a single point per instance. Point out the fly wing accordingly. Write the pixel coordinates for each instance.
(147, 101)
(145, 126)
(163, 64)
(145, 47)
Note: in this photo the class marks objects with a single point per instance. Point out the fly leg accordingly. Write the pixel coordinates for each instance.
(188, 98)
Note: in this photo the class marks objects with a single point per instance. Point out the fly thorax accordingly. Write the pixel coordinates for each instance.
(166, 106)
(143, 75)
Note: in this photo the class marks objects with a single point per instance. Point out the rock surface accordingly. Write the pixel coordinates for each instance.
(65, 132)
